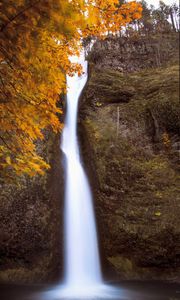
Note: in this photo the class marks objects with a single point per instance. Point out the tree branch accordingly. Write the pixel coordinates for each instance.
(5, 143)
(18, 15)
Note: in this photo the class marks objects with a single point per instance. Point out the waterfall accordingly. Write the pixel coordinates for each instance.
(82, 265)
(82, 278)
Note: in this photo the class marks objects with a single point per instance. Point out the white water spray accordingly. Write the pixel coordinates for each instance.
(82, 278)
(82, 266)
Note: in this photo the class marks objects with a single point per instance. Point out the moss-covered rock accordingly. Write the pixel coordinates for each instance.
(31, 221)
(128, 127)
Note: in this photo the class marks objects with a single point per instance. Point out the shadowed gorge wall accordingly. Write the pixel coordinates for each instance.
(129, 129)
(31, 222)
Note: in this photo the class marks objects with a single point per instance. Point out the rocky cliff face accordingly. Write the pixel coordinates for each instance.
(31, 222)
(128, 126)
(134, 53)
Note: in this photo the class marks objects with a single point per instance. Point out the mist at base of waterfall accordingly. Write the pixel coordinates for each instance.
(124, 290)
(94, 292)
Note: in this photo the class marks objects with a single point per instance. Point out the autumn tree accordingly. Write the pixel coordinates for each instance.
(37, 37)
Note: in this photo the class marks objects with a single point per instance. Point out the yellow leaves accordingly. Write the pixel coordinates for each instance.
(74, 68)
(98, 104)
(93, 15)
(8, 160)
(98, 16)
(159, 195)
(30, 165)
(137, 15)
(157, 213)
(166, 140)
(37, 42)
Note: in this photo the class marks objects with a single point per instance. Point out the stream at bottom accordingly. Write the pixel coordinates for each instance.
(125, 290)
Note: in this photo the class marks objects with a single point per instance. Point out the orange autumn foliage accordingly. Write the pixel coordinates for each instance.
(36, 39)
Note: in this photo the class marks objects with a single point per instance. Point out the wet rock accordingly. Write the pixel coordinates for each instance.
(31, 217)
(129, 151)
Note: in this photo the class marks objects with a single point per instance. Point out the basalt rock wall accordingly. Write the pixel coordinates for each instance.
(129, 135)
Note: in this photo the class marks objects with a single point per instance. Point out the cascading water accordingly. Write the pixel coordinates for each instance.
(82, 278)
(82, 266)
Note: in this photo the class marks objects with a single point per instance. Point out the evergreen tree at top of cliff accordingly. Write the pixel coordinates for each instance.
(163, 19)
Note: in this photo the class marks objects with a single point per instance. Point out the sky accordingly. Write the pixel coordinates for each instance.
(156, 2)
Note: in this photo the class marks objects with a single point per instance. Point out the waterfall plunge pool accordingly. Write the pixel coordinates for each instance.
(128, 290)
